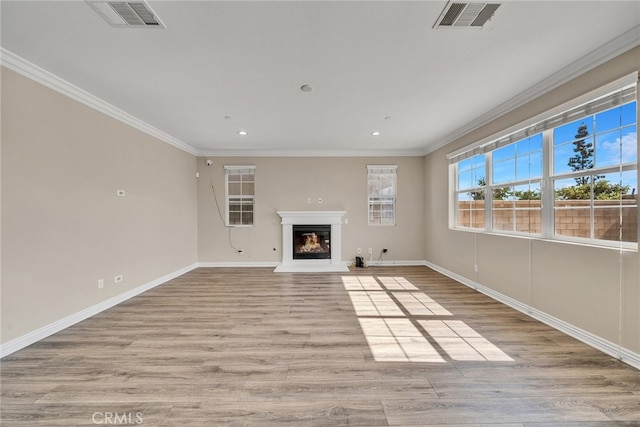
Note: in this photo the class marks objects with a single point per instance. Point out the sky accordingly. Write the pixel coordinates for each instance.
(614, 132)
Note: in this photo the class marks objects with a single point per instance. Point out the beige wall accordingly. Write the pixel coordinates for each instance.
(584, 286)
(286, 183)
(63, 227)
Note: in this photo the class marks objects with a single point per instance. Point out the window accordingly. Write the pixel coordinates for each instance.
(570, 174)
(595, 176)
(381, 184)
(515, 177)
(470, 194)
(240, 192)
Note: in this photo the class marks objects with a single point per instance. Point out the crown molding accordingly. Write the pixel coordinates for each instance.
(599, 56)
(604, 53)
(21, 66)
(312, 153)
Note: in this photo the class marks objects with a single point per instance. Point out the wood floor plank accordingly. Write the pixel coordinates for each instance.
(342, 390)
(86, 414)
(489, 411)
(317, 413)
(249, 347)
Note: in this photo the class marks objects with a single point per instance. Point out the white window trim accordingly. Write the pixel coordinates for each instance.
(237, 169)
(378, 169)
(488, 144)
(454, 218)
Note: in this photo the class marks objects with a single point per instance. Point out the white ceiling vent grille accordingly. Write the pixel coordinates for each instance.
(127, 14)
(457, 14)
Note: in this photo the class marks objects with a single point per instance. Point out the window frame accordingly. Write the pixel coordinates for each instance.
(627, 89)
(376, 172)
(492, 187)
(248, 199)
(475, 189)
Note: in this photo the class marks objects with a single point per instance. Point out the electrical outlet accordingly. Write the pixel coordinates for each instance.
(359, 250)
(100, 283)
(120, 193)
(240, 251)
(370, 250)
(118, 279)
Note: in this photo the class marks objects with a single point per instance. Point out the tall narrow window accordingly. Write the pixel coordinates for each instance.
(240, 193)
(381, 184)
(515, 177)
(470, 193)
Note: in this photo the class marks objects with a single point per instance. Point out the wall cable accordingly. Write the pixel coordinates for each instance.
(215, 199)
(620, 266)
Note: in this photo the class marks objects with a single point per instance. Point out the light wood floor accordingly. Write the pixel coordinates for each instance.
(252, 347)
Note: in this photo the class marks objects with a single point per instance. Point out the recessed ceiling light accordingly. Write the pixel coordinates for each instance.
(243, 133)
(375, 133)
(306, 88)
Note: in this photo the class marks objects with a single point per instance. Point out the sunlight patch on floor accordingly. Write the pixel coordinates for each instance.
(374, 304)
(395, 336)
(361, 283)
(399, 283)
(420, 304)
(397, 340)
(461, 342)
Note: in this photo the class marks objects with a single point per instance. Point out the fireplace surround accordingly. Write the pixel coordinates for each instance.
(315, 246)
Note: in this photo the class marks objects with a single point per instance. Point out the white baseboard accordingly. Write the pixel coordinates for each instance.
(50, 329)
(612, 349)
(234, 264)
(394, 263)
(277, 264)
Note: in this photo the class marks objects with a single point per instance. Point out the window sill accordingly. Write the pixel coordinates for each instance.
(625, 247)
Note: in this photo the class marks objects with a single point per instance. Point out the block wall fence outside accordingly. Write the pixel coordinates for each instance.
(572, 217)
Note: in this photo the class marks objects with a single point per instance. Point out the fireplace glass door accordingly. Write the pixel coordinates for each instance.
(312, 242)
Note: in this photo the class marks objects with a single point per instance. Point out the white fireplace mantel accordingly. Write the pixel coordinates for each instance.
(291, 218)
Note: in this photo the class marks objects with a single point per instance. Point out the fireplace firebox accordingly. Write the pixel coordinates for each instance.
(311, 241)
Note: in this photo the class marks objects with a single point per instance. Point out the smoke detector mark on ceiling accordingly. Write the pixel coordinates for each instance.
(136, 14)
(458, 14)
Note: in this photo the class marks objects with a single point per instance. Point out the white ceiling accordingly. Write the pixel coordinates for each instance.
(221, 67)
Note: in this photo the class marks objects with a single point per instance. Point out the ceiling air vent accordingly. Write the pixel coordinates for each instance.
(127, 14)
(457, 14)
